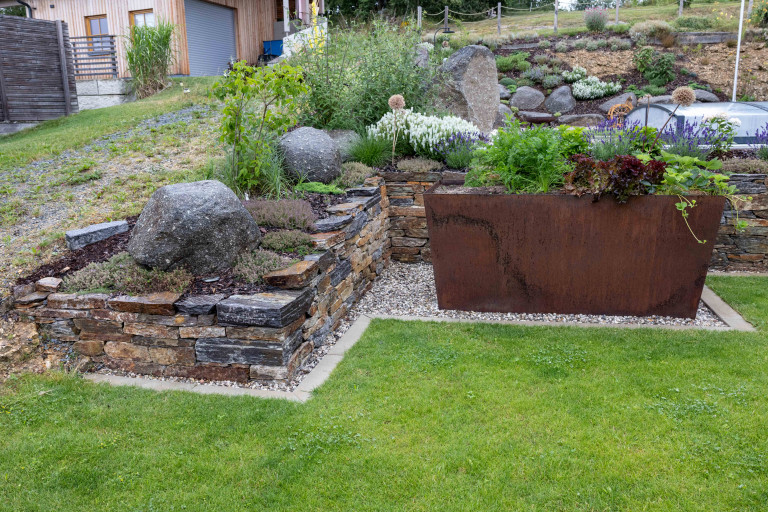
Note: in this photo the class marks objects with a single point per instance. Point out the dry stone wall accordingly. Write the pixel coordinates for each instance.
(261, 337)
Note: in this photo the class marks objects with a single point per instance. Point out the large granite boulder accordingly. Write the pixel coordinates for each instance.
(200, 226)
(621, 98)
(311, 154)
(561, 100)
(471, 90)
(527, 98)
(344, 140)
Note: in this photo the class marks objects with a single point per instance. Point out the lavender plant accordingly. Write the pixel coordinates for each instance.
(761, 143)
(457, 150)
(611, 139)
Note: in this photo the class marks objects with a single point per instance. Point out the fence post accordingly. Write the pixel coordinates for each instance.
(498, 18)
(617, 11)
(64, 74)
(556, 2)
(445, 19)
(3, 94)
(418, 16)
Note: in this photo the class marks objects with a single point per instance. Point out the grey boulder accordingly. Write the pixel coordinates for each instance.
(526, 98)
(504, 93)
(471, 89)
(581, 119)
(311, 154)
(659, 100)
(561, 100)
(501, 117)
(200, 226)
(706, 96)
(621, 98)
(344, 140)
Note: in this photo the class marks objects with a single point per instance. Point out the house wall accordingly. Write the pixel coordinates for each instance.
(253, 19)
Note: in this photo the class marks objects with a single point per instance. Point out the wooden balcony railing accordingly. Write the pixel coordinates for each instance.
(94, 56)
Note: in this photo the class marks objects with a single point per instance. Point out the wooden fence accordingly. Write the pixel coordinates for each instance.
(37, 79)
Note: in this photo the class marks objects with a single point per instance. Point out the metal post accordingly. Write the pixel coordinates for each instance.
(498, 18)
(556, 5)
(445, 19)
(738, 51)
(617, 11)
(286, 18)
(64, 74)
(418, 16)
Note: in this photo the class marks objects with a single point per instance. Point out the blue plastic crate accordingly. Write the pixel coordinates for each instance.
(273, 47)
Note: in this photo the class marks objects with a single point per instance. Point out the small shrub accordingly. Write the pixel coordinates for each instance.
(514, 62)
(544, 43)
(284, 213)
(654, 90)
(315, 187)
(556, 61)
(578, 73)
(595, 19)
(251, 267)
(418, 165)
(592, 87)
(731, 43)
(290, 241)
(761, 143)
(658, 68)
(121, 274)
(551, 81)
(536, 74)
(592, 46)
(561, 47)
(625, 44)
(525, 82)
(650, 28)
(353, 174)
(458, 150)
(621, 28)
(540, 59)
(371, 151)
(693, 22)
(580, 44)
(602, 43)
(610, 140)
(668, 40)
(506, 82)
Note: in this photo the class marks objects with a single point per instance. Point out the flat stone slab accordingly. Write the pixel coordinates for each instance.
(199, 304)
(152, 304)
(294, 277)
(349, 208)
(363, 191)
(332, 223)
(275, 309)
(32, 299)
(323, 259)
(48, 284)
(234, 351)
(340, 272)
(75, 301)
(79, 238)
(327, 240)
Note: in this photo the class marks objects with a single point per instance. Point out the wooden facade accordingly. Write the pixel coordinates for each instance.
(254, 22)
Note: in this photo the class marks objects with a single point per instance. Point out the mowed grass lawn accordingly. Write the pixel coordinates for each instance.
(423, 417)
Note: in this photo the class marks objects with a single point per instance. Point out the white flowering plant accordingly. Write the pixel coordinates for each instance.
(421, 132)
(724, 127)
(591, 88)
(578, 73)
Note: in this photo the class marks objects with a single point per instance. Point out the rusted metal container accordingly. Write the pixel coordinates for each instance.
(527, 253)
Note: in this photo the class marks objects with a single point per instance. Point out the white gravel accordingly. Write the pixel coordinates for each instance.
(407, 289)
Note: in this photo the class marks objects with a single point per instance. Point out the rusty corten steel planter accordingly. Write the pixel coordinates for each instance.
(564, 254)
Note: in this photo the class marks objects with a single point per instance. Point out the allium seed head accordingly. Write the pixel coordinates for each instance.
(396, 102)
(684, 96)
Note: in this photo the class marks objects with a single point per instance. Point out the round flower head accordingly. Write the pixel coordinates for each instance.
(683, 96)
(446, 44)
(396, 102)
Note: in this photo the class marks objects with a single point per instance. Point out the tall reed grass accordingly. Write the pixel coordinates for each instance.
(150, 53)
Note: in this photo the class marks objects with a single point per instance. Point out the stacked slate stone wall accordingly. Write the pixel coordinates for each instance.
(408, 223)
(263, 336)
(747, 250)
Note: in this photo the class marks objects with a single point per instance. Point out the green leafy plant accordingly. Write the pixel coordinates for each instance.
(514, 62)
(149, 54)
(314, 187)
(551, 81)
(291, 241)
(573, 141)
(595, 19)
(693, 22)
(657, 67)
(250, 130)
(352, 174)
(759, 16)
(523, 160)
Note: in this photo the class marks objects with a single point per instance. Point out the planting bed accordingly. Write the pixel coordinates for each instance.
(224, 332)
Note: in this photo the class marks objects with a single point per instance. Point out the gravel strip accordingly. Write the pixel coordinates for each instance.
(407, 289)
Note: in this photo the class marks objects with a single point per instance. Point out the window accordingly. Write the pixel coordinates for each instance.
(145, 18)
(98, 29)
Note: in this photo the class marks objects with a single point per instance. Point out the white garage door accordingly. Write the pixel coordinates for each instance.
(210, 37)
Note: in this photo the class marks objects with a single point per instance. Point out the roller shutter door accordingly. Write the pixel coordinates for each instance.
(211, 41)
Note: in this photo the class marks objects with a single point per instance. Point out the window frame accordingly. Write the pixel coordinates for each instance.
(96, 41)
(132, 20)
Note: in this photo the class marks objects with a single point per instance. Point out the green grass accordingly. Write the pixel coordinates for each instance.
(52, 137)
(422, 417)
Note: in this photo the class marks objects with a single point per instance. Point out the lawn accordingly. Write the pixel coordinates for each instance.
(423, 416)
(52, 137)
(724, 16)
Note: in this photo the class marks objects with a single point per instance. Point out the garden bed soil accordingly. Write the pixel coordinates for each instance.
(226, 282)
